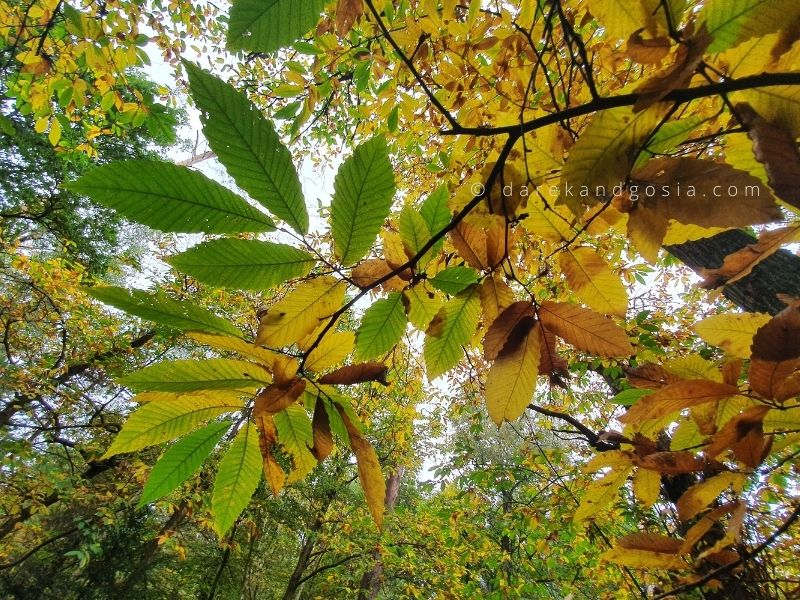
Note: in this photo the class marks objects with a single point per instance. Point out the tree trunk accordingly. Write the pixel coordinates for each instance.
(372, 580)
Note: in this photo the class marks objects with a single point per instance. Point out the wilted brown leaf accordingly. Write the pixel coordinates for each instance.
(267, 438)
(652, 542)
(677, 396)
(779, 339)
(744, 435)
(347, 11)
(275, 398)
(500, 331)
(694, 191)
(360, 373)
(648, 51)
(321, 427)
(674, 463)
(470, 243)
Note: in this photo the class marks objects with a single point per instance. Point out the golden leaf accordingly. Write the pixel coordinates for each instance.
(585, 329)
(593, 281)
(677, 396)
(647, 486)
(701, 495)
(733, 332)
(512, 378)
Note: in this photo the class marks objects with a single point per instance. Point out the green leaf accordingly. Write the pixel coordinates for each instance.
(243, 264)
(381, 328)
(454, 325)
(248, 145)
(628, 397)
(296, 436)
(436, 213)
(668, 137)
(731, 23)
(157, 422)
(191, 375)
(453, 280)
(170, 198)
(237, 478)
(267, 25)
(164, 310)
(181, 461)
(415, 233)
(362, 199)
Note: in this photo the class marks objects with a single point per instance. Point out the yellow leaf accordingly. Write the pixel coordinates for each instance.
(551, 223)
(621, 18)
(55, 132)
(600, 493)
(643, 559)
(651, 542)
(647, 486)
(733, 332)
(496, 296)
(675, 397)
(701, 495)
(233, 344)
(611, 458)
(512, 378)
(585, 329)
(301, 311)
(593, 281)
(332, 350)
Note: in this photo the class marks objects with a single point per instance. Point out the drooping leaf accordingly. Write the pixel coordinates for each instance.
(170, 198)
(181, 460)
(267, 25)
(512, 378)
(247, 143)
(243, 264)
(453, 325)
(381, 327)
(363, 191)
(267, 440)
(590, 277)
(191, 375)
(321, 429)
(300, 311)
(453, 280)
(157, 422)
(585, 329)
(164, 310)
(237, 478)
(238, 345)
(369, 469)
(644, 559)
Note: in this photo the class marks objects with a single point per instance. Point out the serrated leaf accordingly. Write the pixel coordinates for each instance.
(157, 422)
(363, 191)
(643, 559)
(512, 378)
(237, 478)
(300, 311)
(454, 280)
(332, 350)
(549, 222)
(267, 25)
(600, 493)
(247, 144)
(496, 296)
(593, 282)
(620, 18)
(381, 327)
(296, 436)
(647, 486)
(243, 264)
(585, 329)
(357, 373)
(181, 460)
(733, 332)
(628, 397)
(415, 234)
(675, 397)
(454, 325)
(499, 333)
(421, 306)
(235, 344)
(164, 310)
(170, 198)
(189, 375)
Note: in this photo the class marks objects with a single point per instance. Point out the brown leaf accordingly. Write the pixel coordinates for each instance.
(347, 11)
(369, 470)
(646, 230)
(650, 376)
(470, 243)
(775, 380)
(676, 75)
(731, 370)
(368, 272)
(775, 147)
(501, 329)
(651, 542)
(647, 51)
(740, 264)
(323, 439)
(674, 463)
(706, 522)
(267, 438)
(779, 339)
(677, 396)
(275, 398)
(585, 329)
(550, 362)
(360, 373)
(744, 435)
(695, 192)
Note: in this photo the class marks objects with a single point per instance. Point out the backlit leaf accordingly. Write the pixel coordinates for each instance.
(237, 478)
(593, 282)
(675, 397)
(267, 25)
(453, 325)
(733, 332)
(585, 329)
(453, 280)
(512, 378)
(381, 327)
(189, 375)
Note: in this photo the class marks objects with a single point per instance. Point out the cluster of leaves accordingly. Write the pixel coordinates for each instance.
(529, 137)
